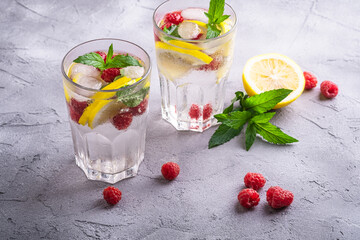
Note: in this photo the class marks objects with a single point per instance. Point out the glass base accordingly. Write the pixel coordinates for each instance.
(112, 178)
(192, 125)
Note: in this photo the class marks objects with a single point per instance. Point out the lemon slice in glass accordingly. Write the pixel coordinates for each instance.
(193, 57)
(100, 110)
(273, 71)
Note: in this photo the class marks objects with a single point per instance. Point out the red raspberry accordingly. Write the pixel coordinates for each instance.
(310, 80)
(198, 36)
(329, 89)
(74, 115)
(122, 120)
(207, 111)
(167, 25)
(194, 111)
(112, 195)
(102, 54)
(109, 74)
(254, 180)
(174, 17)
(214, 65)
(141, 108)
(78, 106)
(278, 197)
(76, 109)
(170, 170)
(248, 198)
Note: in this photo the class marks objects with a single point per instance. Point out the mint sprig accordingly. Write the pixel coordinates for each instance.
(253, 111)
(130, 97)
(118, 61)
(215, 16)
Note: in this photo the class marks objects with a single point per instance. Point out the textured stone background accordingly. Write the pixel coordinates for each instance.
(44, 195)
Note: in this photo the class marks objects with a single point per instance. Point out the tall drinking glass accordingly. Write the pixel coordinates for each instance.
(108, 125)
(192, 72)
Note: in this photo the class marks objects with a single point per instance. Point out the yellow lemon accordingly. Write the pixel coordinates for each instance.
(273, 71)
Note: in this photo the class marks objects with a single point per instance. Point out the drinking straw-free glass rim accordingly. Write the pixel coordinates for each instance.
(199, 40)
(100, 90)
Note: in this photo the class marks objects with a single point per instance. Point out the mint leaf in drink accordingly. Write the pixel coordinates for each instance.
(266, 101)
(250, 136)
(273, 134)
(237, 119)
(215, 16)
(118, 61)
(121, 61)
(172, 30)
(91, 59)
(222, 135)
(131, 98)
(212, 31)
(110, 54)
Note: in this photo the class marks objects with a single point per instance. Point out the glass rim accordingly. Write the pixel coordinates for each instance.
(101, 90)
(199, 40)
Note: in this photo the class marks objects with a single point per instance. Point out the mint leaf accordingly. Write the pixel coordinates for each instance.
(238, 95)
(222, 135)
(263, 118)
(215, 16)
(131, 99)
(121, 61)
(222, 18)
(237, 119)
(212, 31)
(250, 136)
(221, 117)
(91, 59)
(110, 54)
(273, 134)
(266, 101)
(173, 31)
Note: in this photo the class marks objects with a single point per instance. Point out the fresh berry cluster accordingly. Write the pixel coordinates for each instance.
(195, 112)
(327, 88)
(275, 196)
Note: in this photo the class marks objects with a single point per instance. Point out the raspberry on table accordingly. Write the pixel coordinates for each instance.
(170, 170)
(102, 54)
(248, 198)
(112, 195)
(207, 110)
(278, 197)
(109, 74)
(310, 80)
(141, 108)
(174, 17)
(254, 180)
(194, 111)
(329, 89)
(122, 120)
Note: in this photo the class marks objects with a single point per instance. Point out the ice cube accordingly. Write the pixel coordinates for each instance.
(84, 70)
(195, 14)
(133, 71)
(189, 30)
(89, 82)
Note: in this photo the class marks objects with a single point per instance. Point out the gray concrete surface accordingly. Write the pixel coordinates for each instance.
(43, 195)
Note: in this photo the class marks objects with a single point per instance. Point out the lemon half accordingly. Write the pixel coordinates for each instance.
(273, 71)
